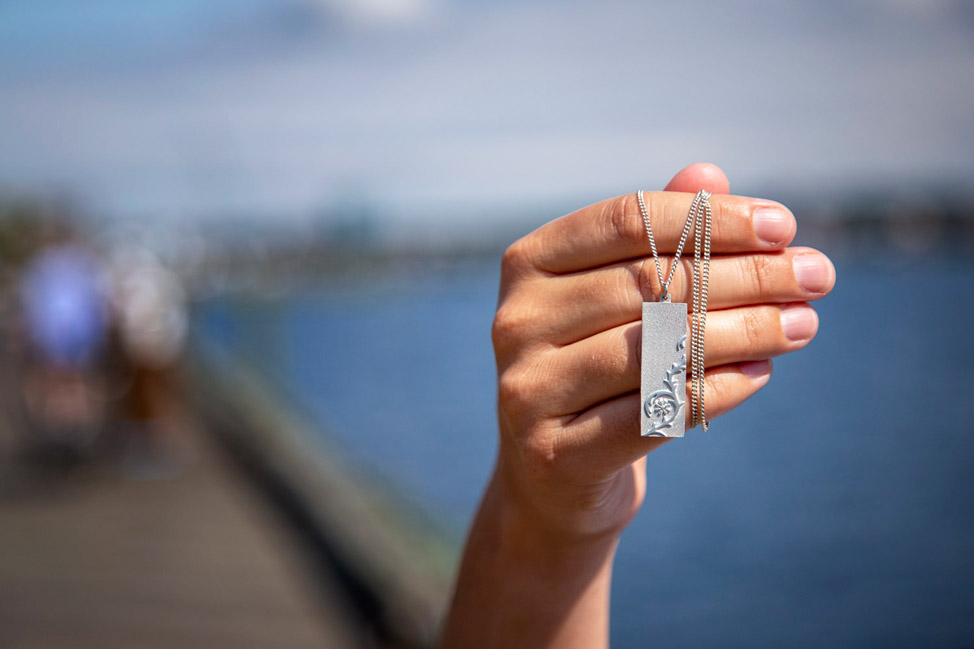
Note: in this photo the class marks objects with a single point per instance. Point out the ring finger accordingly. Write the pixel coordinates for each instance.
(607, 364)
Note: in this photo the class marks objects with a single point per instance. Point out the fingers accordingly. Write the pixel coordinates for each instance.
(700, 175)
(582, 304)
(606, 438)
(613, 230)
(606, 365)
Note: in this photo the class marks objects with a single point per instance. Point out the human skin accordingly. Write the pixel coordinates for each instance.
(571, 469)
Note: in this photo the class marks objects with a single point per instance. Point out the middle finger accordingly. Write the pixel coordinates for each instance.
(585, 303)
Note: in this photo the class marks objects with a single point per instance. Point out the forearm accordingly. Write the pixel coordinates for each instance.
(523, 586)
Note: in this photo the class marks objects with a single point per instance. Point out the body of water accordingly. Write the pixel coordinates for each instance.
(832, 509)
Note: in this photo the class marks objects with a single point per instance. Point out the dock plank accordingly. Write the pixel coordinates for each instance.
(192, 561)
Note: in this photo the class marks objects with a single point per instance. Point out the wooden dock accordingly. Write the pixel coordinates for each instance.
(97, 559)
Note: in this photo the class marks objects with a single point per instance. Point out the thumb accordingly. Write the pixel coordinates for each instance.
(700, 175)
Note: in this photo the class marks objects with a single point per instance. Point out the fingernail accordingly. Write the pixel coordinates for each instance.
(813, 272)
(799, 322)
(772, 225)
(756, 369)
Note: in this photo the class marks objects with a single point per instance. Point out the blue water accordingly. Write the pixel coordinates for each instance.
(833, 509)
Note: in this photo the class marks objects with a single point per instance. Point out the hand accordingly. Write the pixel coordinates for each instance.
(567, 340)
(570, 474)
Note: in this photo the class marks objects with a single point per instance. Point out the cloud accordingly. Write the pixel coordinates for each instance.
(381, 13)
(493, 104)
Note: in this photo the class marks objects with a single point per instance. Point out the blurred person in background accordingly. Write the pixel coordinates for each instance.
(66, 317)
(150, 310)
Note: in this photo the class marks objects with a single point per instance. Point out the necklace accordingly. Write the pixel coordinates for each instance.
(664, 358)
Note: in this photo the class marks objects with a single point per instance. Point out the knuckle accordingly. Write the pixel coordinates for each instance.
(682, 281)
(539, 454)
(622, 220)
(752, 326)
(760, 271)
(517, 388)
(505, 324)
(725, 219)
(618, 353)
(643, 274)
(517, 257)
(512, 323)
(622, 354)
(718, 394)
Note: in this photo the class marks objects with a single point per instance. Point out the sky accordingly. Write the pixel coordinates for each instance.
(432, 111)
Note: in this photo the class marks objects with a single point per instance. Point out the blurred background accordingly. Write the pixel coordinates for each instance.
(248, 264)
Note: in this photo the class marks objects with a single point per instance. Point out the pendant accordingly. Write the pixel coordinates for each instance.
(664, 369)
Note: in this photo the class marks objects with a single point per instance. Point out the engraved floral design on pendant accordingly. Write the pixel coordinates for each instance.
(664, 406)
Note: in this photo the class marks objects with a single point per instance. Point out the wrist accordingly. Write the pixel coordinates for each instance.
(522, 583)
(523, 531)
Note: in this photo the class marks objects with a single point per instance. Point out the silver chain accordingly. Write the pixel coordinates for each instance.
(665, 286)
(701, 283)
(699, 219)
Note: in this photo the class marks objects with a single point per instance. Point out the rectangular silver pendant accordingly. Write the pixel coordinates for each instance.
(664, 369)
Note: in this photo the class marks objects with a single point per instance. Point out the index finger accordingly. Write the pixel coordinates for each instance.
(612, 230)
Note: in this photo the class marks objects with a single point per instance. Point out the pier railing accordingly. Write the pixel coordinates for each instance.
(393, 562)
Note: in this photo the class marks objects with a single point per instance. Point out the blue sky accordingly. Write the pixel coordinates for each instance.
(426, 107)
